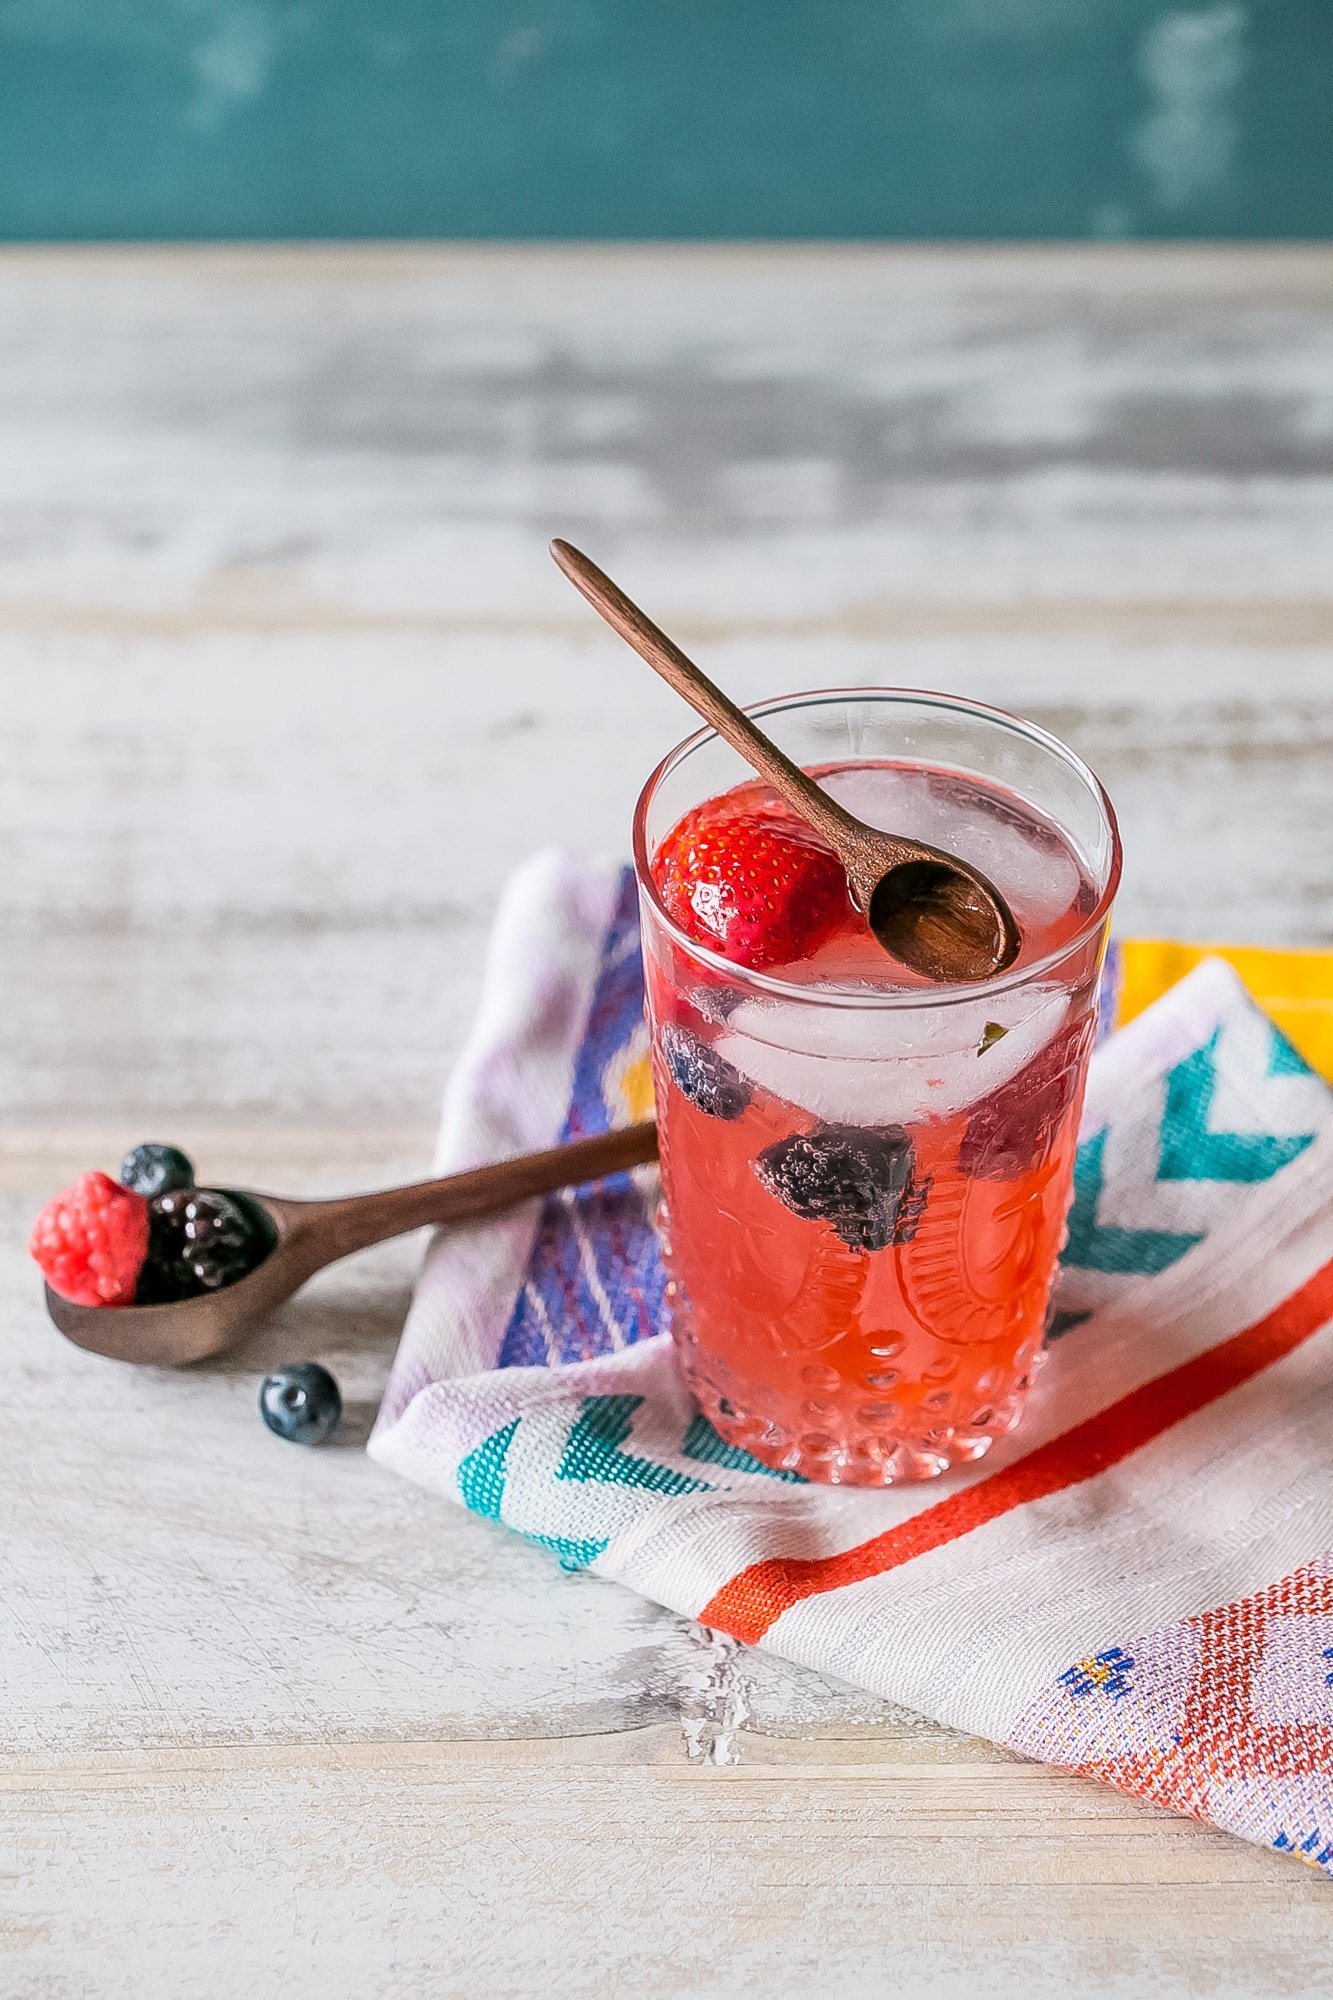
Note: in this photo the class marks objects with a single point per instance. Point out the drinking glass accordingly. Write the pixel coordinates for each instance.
(872, 1359)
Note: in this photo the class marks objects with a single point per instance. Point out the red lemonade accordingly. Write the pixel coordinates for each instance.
(865, 1176)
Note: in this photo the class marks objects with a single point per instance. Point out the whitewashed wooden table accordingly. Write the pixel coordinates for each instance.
(288, 685)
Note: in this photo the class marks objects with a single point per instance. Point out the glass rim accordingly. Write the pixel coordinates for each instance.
(847, 996)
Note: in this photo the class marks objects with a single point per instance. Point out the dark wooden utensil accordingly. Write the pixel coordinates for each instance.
(310, 1234)
(933, 912)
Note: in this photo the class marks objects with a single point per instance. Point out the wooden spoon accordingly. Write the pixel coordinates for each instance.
(307, 1235)
(933, 912)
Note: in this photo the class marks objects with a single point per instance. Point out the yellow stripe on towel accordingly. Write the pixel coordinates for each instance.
(1295, 987)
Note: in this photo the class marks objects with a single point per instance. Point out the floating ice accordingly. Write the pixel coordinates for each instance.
(889, 1065)
(1030, 865)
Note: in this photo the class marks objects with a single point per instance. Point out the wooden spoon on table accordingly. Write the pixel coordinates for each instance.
(307, 1235)
(933, 912)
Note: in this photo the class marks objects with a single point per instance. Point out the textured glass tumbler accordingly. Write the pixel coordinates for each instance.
(820, 1356)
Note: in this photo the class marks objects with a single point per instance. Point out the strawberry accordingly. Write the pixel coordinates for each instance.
(91, 1241)
(760, 890)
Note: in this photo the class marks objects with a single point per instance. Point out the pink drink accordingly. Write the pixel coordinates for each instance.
(866, 1177)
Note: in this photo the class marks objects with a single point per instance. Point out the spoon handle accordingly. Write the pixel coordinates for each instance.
(651, 643)
(356, 1221)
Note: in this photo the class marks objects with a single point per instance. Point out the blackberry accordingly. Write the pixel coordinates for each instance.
(152, 1170)
(707, 1079)
(200, 1239)
(301, 1404)
(912, 1208)
(858, 1181)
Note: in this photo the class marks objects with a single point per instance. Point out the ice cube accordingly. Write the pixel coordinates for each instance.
(1029, 864)
(889, 1065)
(892, 797)
(1039, 882)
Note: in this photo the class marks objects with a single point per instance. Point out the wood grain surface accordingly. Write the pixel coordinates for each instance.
(278, 633)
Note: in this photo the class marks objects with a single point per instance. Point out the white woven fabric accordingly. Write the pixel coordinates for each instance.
(1136, 1582)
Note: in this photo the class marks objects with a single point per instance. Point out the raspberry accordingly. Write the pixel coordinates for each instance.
(91, 1241)
(757, 888)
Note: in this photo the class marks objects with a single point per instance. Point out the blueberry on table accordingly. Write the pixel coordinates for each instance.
(700, 1074)
(152, 1170)
(199, 1239)
(858, 1181)
(300, 1404)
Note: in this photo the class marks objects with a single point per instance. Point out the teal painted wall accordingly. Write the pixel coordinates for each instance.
(665, 118)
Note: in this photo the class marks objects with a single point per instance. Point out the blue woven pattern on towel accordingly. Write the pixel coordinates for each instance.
(594, 1282)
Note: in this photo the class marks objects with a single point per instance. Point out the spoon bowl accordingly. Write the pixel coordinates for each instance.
(935, 907)
(307, 1235)
(936, 914)
(187, 1330)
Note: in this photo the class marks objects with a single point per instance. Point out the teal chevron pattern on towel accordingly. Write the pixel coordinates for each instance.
(593, 1451)
(1106, 1247)
(522, 1471)
(1190, 1150)
(1159, 1168)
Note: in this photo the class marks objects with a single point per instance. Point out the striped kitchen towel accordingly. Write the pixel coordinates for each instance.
(1137, 1584)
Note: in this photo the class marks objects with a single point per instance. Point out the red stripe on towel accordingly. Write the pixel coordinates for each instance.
(756, 1597)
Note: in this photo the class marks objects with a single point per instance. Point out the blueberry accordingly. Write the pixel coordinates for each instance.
(200, 1239)
(151, 1170)
(859, 1181)
(301, 1404)
(707, 1079)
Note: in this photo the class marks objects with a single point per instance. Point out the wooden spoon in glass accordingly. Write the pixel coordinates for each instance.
(933, 912)
(307, 1235)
